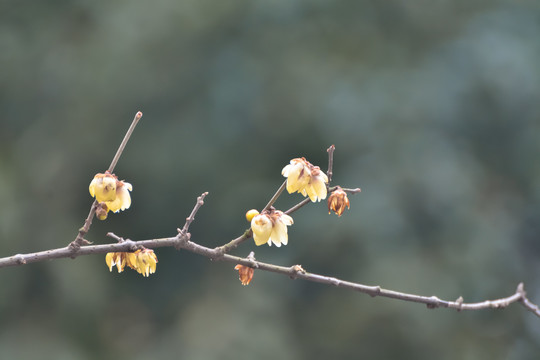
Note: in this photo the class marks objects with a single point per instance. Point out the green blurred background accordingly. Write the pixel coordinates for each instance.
(434, 108)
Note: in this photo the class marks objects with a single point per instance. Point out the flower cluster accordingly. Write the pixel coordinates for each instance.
(305, 178)
(271, 227)
(143, 261)
(111, 194)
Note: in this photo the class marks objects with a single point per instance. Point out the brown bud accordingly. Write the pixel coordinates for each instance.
(337, 201)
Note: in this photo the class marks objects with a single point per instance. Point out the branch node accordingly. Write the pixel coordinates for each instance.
(132, 245)
(459, 302)
(376, 291)
(521, 290)
(252, 260)
(435, 302)
(19, 258)
(115, 237)
(181, 239)
(295, 270)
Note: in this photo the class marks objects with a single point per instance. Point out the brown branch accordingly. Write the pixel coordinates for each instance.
(182, 241)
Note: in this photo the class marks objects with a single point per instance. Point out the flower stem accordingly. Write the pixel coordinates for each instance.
(276, 196)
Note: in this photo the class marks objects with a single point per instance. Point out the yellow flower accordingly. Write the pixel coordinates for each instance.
(271, 227)
(305, 178)
(261, 225)
(297, 174)
(337, 201)
(103, 187)
(143, 261)
(316, 188)
(279, 230)
(111, 193)
(123, 199)
(245, 273)
(116, 258)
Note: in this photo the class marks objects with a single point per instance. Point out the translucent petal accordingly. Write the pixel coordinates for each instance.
(286, 219)
(319, 186)
(109, 260)
(92, 187)
(123, 199)
(279, 234)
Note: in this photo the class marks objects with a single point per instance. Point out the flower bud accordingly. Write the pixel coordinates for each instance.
(337, 201)
(102, 211)
(251, 214)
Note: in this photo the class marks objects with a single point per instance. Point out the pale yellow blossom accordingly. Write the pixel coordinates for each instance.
(270, 227)
(111, 193)
(261, 225)
(305, 178)
(143, 261)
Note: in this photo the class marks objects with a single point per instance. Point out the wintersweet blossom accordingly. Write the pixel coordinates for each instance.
(111, 193)
(245, 273)
(116, 258)
(103, 187)
(271, 227)
(337, 201)
(305, 178)
(143, 261)
(261, 225)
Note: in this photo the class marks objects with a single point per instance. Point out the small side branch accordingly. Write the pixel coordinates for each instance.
(79, 240)
(191, 217)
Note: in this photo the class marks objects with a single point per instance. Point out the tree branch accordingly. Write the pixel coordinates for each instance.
(182, 241)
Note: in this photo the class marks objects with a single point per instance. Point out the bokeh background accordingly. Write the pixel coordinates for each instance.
(434, 108)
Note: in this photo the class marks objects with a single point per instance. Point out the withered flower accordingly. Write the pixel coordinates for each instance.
(245, 273)
(337, 201)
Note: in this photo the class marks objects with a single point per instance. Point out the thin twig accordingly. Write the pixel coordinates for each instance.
(181, 240)
(330, 151)
(191, 217)
(122, 146)
(79, 240)
(298, 206)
